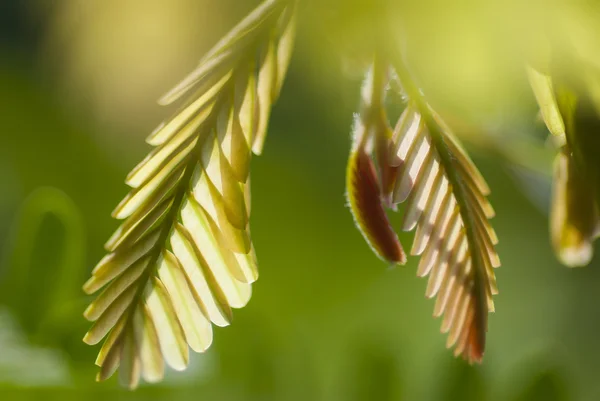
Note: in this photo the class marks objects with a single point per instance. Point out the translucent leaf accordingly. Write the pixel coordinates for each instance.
(366, 205)
(445, 201)
(543, 90)
(363, 188)
(183, 257)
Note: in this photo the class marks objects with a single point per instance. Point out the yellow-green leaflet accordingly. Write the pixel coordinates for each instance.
(543, 89)
(445, 199)
(183, 257)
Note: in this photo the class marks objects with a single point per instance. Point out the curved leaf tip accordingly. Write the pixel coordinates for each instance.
(364, 198)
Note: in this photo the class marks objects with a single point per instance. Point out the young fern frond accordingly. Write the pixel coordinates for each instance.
(183, 256)
(446, 202)
(423, 165)
(365, 189)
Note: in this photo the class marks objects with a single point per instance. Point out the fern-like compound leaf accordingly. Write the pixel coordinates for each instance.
(445, 198)
(365, 189)
(422, 165)
(183, 256)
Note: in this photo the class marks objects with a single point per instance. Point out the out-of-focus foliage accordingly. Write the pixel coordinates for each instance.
(547, 385)
(568, 100)
(326, 316)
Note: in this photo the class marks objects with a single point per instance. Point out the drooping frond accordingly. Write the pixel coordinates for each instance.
(569, 108)
(422, 165)
(445, 201)
(365, 190)
(183, 257)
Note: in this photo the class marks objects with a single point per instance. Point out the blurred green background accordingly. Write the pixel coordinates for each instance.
(328, 320)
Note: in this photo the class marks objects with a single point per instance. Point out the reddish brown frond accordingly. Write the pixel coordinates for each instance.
(364, 197)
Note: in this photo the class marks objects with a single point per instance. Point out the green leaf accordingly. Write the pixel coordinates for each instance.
(446, 201)
(576, 195)
(543, 89)
(422, 164)
(48, 243)
(183, 256)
